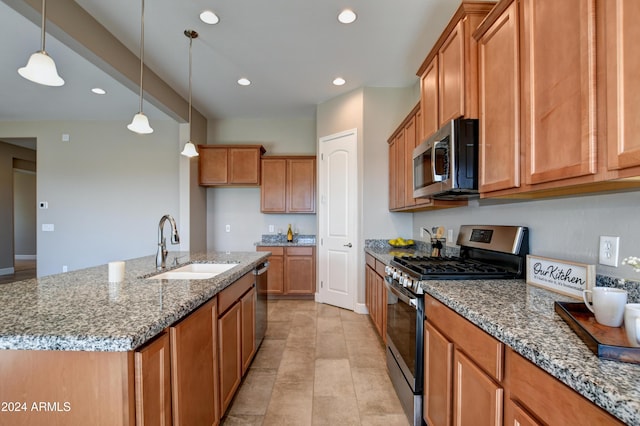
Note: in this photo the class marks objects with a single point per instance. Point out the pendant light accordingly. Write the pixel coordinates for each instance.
(41, 68)
(189, 148)
(140, 122)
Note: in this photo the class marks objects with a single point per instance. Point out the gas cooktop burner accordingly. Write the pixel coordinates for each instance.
(426, 266)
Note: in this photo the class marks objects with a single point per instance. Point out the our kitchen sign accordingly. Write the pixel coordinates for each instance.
(561, 276)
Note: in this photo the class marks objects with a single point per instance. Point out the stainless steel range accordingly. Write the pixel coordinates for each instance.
(486, 252)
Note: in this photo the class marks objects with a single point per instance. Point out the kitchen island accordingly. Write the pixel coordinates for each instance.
(76, 349)
(523, 318)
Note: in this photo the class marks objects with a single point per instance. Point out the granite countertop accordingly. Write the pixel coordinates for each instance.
(523, 317)
(82, 311)
(280, 240)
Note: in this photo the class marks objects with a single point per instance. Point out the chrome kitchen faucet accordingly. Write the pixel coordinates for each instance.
(161, 256)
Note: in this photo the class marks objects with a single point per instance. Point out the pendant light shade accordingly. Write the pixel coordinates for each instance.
(140, 122)
(41, 68)
(189, 148)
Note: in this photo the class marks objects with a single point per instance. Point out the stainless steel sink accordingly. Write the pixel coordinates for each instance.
(194, 271)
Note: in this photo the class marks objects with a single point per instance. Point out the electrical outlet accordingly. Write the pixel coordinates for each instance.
(227, 228)
(421, 232)
(450, 235)
(271, 229)
(64, 268)
(609, 248)
(48, 227)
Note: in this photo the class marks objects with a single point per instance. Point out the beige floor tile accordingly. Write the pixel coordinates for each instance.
(242, 420)
(364, 354)
(255, 393)
(385, 420)
(359, 330)
(333, 378)
(331, 324)
(291, 403)
(269, 354)
(277, 329)
(328, 310)
(297, 365)
(346, 315)
(335, 410)
(331, 346)
(375, 392)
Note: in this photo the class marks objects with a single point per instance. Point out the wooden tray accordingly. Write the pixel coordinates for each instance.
(605, 342)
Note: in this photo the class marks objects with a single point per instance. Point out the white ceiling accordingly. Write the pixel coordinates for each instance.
(290, 49)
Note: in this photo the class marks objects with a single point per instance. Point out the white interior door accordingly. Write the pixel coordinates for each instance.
(338, 224)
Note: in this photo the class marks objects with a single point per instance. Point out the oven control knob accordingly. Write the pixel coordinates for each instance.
(419, 288)
(388, 270)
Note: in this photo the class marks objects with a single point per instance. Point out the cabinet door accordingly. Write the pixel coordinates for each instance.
(451, 75)
(153, 383)
(393, 167)
(369, 289)
(559, 89)
(381, 306)
(429, 99)
(230, 349)
(499, 84)
(300, 271)
(477, 399)
(409, 145)
(275, 277)
(623, 85)
(212, 165)
(400, 169)
(248, 302)
(194, 367)
(514, 415)
(301, 185)
(438, 378)
(244, 166)
(273, 185)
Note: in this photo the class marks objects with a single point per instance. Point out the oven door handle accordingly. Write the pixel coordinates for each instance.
(408, 300)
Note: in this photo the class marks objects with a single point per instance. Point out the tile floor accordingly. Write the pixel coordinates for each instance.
(318, 365)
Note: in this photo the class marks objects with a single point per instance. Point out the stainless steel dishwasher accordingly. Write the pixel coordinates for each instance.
(261, 273)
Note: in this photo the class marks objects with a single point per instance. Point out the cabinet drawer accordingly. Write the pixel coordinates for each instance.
(234, 292)
(380, 268)
(275, 251)
(486, 352)
(550, 400)
(299, 251)
(371, 261)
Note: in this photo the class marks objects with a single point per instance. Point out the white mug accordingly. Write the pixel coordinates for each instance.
(632, 323)
(607, 304)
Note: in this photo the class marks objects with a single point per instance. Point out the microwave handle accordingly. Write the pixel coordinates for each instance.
(436, 177)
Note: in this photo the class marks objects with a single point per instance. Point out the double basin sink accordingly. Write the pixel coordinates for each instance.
(194, 271)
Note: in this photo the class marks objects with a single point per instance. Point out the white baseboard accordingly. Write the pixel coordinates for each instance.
(361, 308)
(7, 271)
(26, 257)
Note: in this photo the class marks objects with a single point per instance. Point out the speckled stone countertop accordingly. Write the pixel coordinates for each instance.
(523, 317)
(280, 240)
(82, 311)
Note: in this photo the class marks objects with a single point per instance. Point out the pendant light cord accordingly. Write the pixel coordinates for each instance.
(44, 5)
(141, 52)
(190, 44)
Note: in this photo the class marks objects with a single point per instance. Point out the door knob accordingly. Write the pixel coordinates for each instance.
(348, 245)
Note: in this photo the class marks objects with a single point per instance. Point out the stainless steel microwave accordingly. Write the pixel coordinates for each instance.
(445, 165)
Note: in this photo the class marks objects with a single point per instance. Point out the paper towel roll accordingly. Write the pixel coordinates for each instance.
(116, 271)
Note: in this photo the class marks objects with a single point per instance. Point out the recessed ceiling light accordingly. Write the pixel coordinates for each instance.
(339, 81)
(244, 81)
(347, 16)
(98, 91)
(208, 17)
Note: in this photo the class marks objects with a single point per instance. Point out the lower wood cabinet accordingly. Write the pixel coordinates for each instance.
(470, 378)
(376, 294)
(292, 271)
(193, 368)
(153, 382)
(236, 335)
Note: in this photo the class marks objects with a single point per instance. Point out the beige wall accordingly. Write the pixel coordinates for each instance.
(107, 189)
(24, 214)
(7, 154)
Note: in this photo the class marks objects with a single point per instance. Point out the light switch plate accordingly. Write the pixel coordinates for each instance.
(608, 252)
(47, 227)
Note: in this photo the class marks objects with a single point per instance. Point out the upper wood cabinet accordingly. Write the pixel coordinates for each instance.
(448, 76)
(499, 88)
(288, 184)
(226, 165)
(559, 89)
(622, 57)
